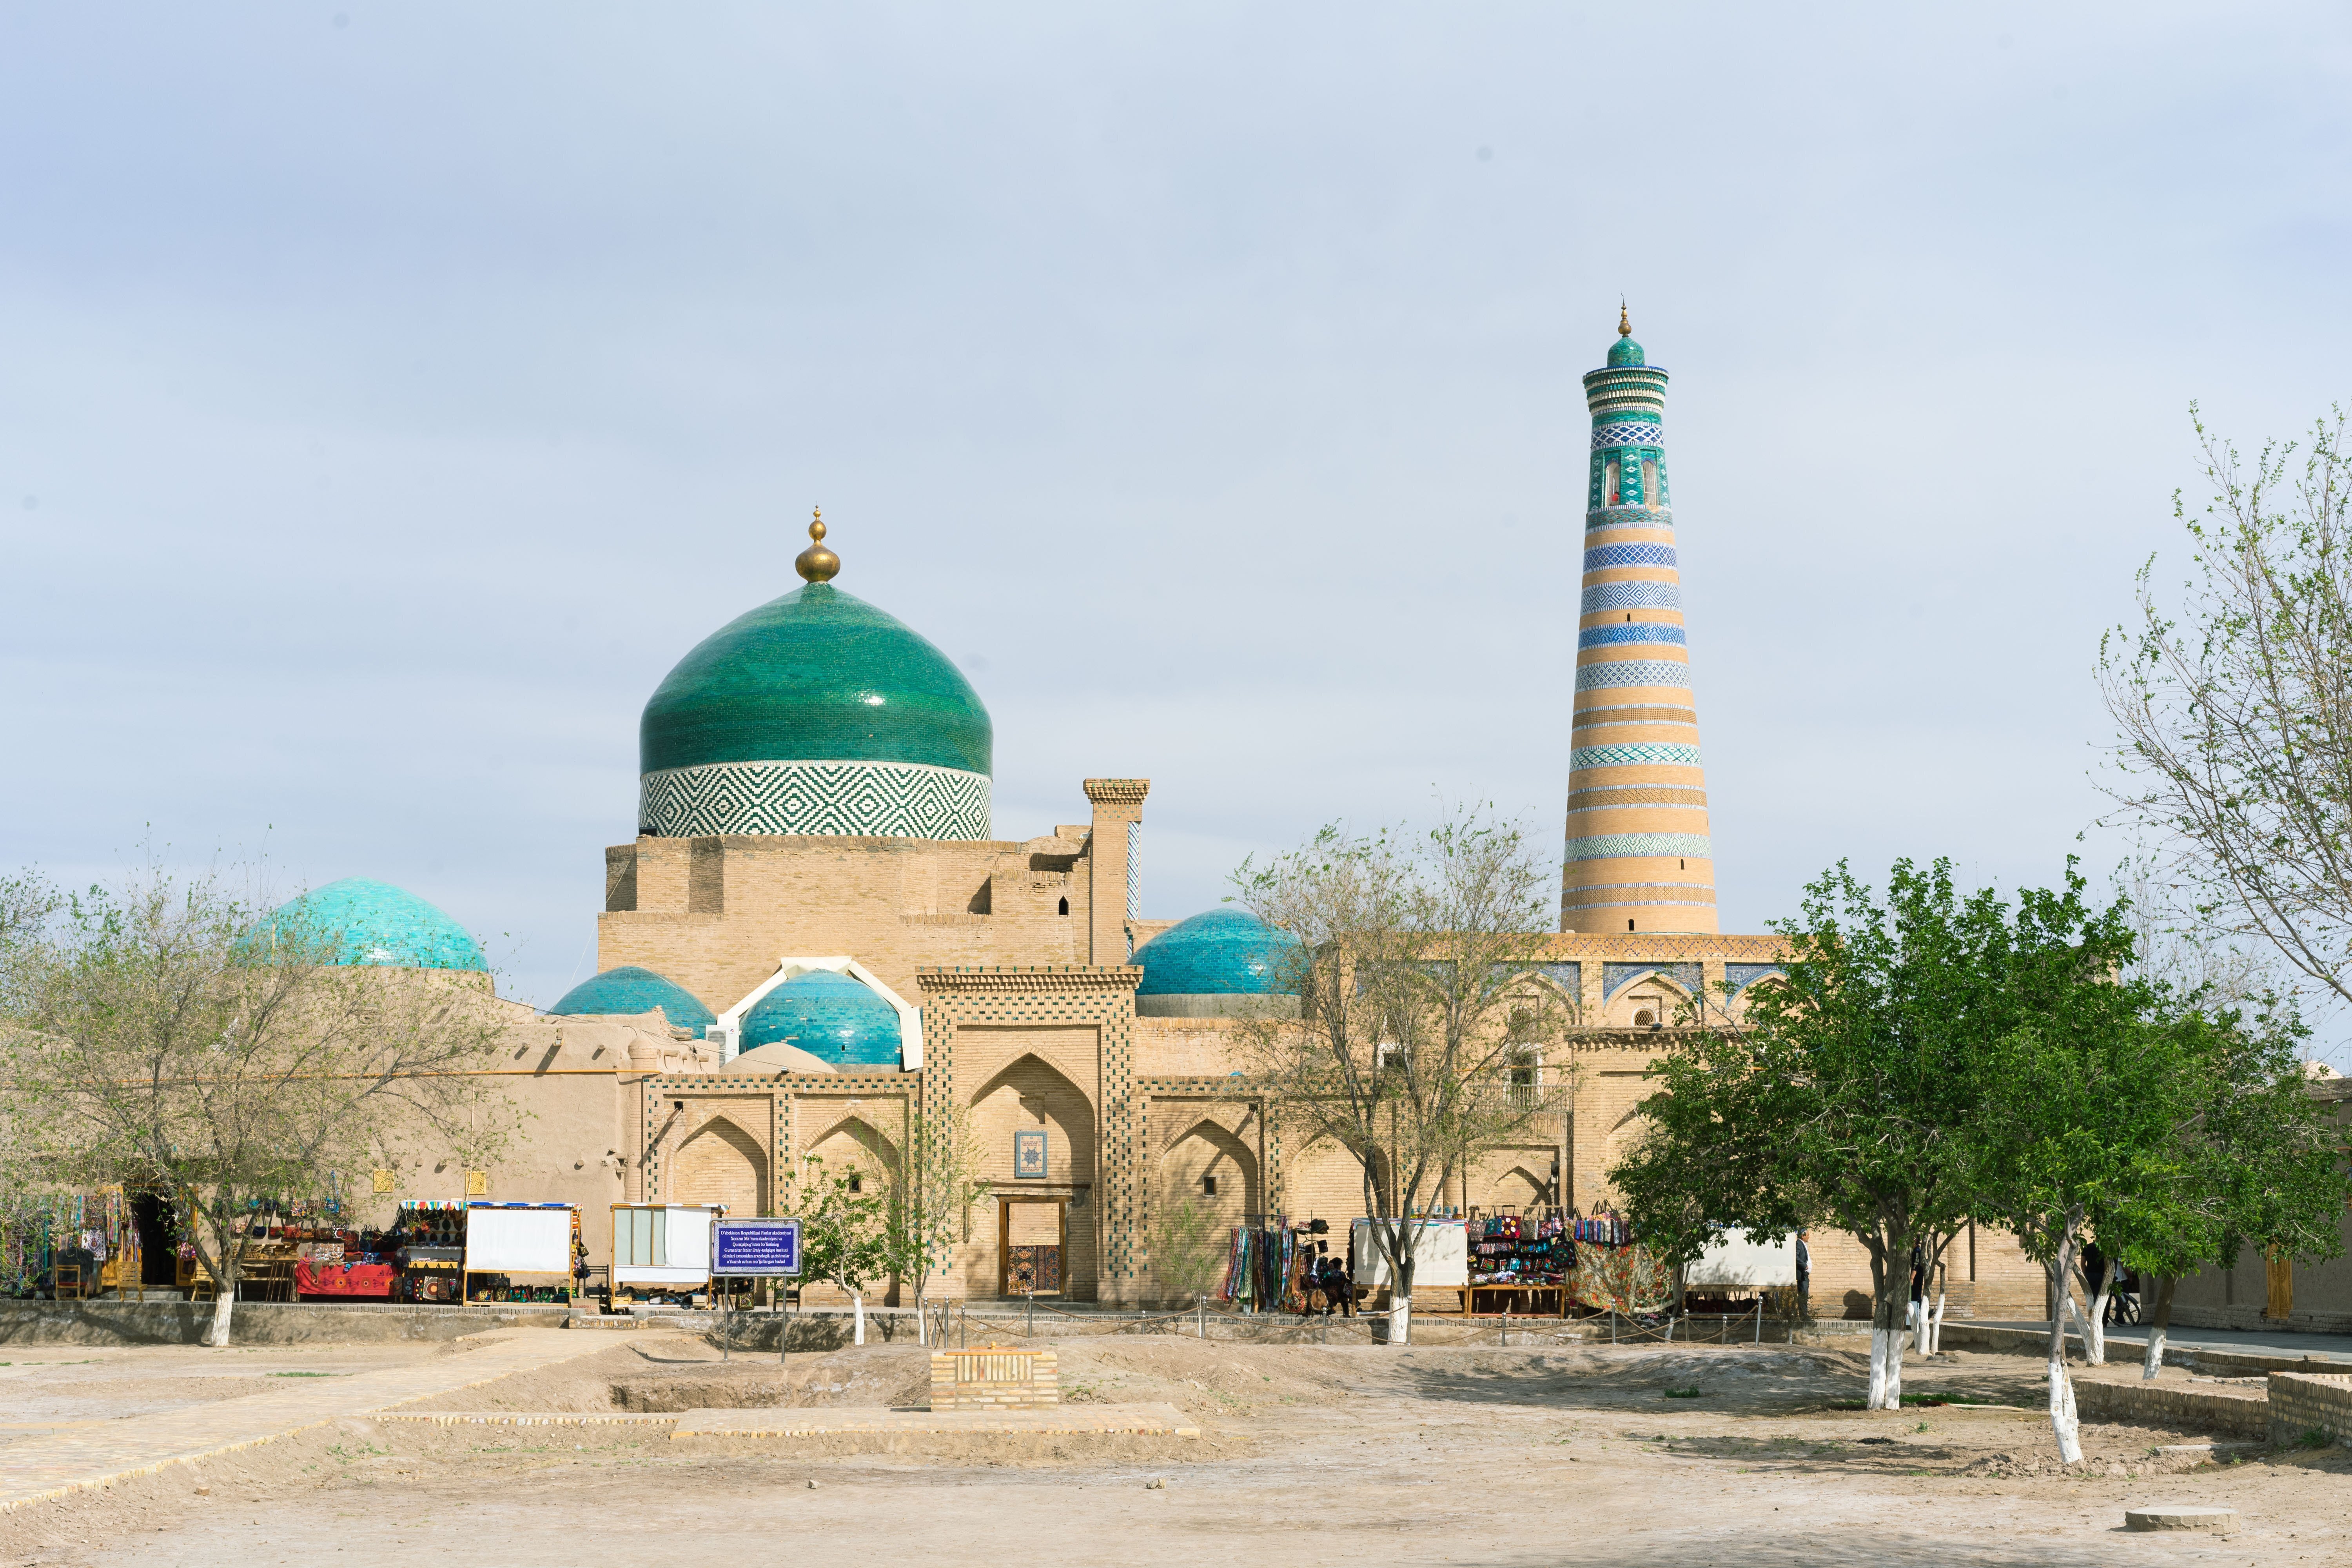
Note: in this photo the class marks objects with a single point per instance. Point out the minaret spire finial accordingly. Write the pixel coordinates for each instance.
(816, 563)
(1624, 322)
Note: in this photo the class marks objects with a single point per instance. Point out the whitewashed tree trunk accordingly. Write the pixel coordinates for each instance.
(1401, 1321)
(2158, 1320)
(857, 1314)
(1894, 1371)
(2094, 1332)
(1939, 1346)
(222, 1302)
(1879, 1339)
(2062, 1413)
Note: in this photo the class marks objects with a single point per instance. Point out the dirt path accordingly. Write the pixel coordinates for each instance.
(1311, 1456)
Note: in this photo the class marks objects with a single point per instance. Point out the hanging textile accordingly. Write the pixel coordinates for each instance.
(1621, 1280)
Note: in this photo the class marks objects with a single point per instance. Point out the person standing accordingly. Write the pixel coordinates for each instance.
(1804, 1280)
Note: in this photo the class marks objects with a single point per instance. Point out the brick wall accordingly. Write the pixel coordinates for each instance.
(2303, 1402)
(2243, 1415)
(996, 1377)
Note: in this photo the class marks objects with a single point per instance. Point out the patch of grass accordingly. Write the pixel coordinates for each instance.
(2313, 1437)
(1682, 1394)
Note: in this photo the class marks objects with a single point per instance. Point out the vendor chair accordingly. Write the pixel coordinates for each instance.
(68, 1282)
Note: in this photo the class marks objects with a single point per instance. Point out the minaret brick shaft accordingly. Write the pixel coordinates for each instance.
(1638, 855)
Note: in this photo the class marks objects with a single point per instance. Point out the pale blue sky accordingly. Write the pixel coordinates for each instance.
(390, 395)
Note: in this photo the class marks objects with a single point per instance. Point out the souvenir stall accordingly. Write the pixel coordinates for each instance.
(661, 1250)
(70, 1246)
(1613, 1272)
(428, 1244)
(504, 1239)
(1518, 1264)
(1280, 1267)
(1441, 1257)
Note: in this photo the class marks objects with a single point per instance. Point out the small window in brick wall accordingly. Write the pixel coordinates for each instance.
(1066, 906)
(1208, 1187)
(856, 1182)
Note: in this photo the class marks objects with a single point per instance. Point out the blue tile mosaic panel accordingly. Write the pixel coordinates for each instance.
(1601, 557)
(1615, 977)
(1637, 632)
(1632, 672)
(1632, 597)
(1634, 756)
(1617, 846)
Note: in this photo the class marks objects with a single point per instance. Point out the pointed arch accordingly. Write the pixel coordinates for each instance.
(1208, 1151)
(854, 1141)
(720, 1162)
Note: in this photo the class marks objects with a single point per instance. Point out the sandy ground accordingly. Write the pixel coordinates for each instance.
(1311, 1455)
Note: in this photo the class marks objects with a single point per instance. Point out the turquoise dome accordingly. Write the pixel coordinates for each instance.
(1625, 351)
(632, 990)
(1224, 952)
(831, 1016)
(817, 675)
(367, 922)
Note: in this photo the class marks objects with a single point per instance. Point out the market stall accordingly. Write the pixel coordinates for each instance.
(662, 1250)
(1441, 1257)
(507, 1239)
(1613, 1272)
(1518, 1263)
(428, 1238)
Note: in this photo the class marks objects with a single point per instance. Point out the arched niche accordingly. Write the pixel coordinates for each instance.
(1207, 1152)
(723, 1163)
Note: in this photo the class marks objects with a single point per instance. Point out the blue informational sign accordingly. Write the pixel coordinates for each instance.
(752, 1246)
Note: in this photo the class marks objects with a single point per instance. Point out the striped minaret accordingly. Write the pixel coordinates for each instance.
(1638, 857)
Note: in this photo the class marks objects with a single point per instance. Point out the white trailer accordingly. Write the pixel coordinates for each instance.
(662, 1249)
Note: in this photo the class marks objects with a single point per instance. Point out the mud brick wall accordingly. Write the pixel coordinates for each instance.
(999, 1378)
(2301, 1402)
(2244, 1414)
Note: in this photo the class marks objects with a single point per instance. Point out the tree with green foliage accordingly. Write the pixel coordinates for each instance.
(1854, 1090)
(846, 1235)
(172, 1036)
(1187, 1249)
(1418, 1041)
(931, 1210)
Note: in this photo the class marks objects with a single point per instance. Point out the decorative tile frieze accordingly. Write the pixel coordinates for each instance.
(1601, 596)
(1601, 557)
(1633, 754)
(866, 799)
(1632, 672)
(1622, 846)
(1631, 632)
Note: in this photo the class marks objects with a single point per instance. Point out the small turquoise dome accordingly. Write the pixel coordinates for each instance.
(374, 922)
(831, 1016)
(816, 675)
(1625, 351)
(630, 990)
(1224, 952)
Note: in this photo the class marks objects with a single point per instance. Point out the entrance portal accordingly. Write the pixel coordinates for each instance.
(1031, 1238)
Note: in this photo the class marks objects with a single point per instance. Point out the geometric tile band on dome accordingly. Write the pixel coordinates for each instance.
(1633, 672)
(1639, 632)
(1602, 556)
(1611, 846)
(1640, 755)
(1632, 596)
(1628, 433)
(862, 799)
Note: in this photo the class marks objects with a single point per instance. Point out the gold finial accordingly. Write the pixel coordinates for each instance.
(816, 563)
(1625, 323)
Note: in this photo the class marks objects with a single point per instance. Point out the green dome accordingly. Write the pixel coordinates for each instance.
(815, 713)
(1624, 351)
(816, 675)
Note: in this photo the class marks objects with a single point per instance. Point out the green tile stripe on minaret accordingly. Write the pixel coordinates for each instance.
(1638, 857)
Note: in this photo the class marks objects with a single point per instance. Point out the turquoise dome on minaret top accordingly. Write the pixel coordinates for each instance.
(1624, 351)
(815, 713)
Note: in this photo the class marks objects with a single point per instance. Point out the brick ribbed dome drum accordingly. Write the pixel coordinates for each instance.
(815, 713)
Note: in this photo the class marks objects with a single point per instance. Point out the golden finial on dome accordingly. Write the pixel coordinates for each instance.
(1625, 323)
(816, 563)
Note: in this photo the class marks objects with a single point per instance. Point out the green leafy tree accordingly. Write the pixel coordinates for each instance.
(846, 1234)
(171, 1037)
(931, 1208)
(1188, 1248)
(1852, 1092)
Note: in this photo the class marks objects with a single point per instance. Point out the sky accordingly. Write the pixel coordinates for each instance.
(391, 394)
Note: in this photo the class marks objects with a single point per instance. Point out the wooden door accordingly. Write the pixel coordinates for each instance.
(1033, 1238)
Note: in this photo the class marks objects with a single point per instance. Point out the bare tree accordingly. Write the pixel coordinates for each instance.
(1422, 1015)
(2235, 719)
(170, 1037)
(930, 1211)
